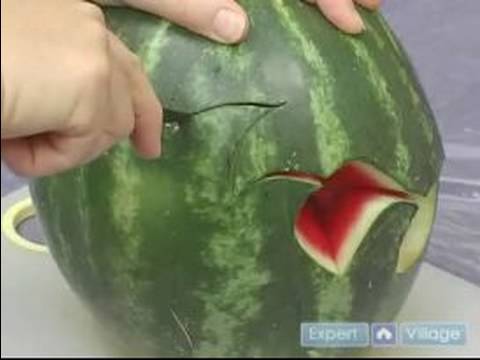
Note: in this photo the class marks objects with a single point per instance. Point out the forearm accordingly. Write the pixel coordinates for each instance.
(3, 97)
(3, 54)
(3, 86)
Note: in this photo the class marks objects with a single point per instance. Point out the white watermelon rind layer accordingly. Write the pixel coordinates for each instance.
(414, 240)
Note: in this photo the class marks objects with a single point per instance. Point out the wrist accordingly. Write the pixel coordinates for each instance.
(3, 99)
(3, 105)
(6, 68)
(4, 116)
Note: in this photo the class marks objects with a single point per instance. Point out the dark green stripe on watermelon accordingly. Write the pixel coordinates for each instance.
(189, 255)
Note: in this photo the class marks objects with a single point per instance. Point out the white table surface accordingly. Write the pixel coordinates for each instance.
(42, 317)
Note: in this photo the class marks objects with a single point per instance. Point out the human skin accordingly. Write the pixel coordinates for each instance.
(71, 89)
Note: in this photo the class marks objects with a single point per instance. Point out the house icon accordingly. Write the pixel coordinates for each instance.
(384, 334)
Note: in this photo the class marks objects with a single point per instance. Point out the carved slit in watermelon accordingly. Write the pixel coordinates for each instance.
(415, 239)
(336, 217)
(297, 176)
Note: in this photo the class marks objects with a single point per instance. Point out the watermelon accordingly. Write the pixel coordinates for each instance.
(298, 184)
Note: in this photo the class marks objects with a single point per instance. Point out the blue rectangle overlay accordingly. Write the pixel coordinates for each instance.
(338, 335)
(384, 334)
(433, 334)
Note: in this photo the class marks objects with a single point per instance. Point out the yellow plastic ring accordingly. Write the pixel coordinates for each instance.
(13, 217)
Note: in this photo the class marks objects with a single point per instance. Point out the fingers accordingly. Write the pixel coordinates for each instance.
(147, 111)
(342, 13)
(147, 133)
(220, 20)
(118, 115)
(45, 154)
(130, 109)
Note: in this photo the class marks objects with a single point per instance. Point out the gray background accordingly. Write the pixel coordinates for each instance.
(443, 40)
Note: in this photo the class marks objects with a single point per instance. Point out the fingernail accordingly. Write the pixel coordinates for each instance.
(229, 26)
(357, 23)
(158, 151)
(362, 25)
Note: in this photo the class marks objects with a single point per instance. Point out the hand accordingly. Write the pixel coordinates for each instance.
(73, 89)
(221, 20)
(343, 14)
(225, 21)
(70, 88)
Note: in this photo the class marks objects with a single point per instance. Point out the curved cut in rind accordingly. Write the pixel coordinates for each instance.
(323, 260)
(416, 238)
(333, 243)
(337, 216)
(297, 176)
(373, 174)
(360, 230)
